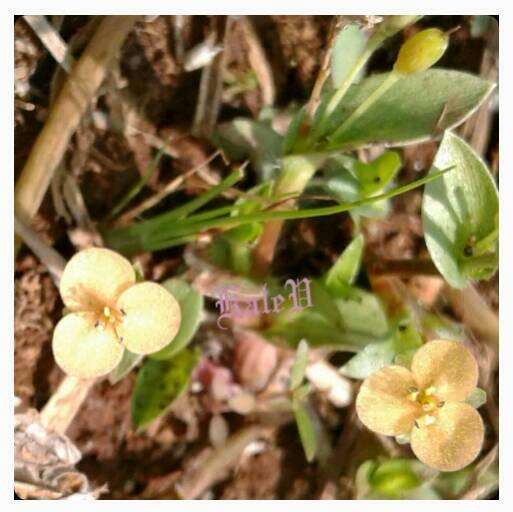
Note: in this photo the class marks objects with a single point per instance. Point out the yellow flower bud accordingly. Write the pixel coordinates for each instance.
(421, 51)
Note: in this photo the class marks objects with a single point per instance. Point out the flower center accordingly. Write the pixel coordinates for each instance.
(428, 402)
(109, 317)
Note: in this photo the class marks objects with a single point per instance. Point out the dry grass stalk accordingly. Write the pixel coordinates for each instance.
(218, 463)
(48, 256)
(65, 115)
(51, 38)
(258, 61)
(59, 411)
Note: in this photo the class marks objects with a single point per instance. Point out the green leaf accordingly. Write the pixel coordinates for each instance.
(417, 107)
(191, 307)
(371, 358)
(477, 398)
(297, 373)
(460, 215)
(441, 327)
(406, 479)
(376, 175)
(347, 266)
(128, 362)
(159, 383)
(139, 272)
(293, 135)
(406, 338)
(245, 138)
(308, 426)
(346, 323)
(363, 313)
(346, 179)
(349, 46)
(394, 477)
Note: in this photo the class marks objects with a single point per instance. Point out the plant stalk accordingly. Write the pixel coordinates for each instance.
(65, 115)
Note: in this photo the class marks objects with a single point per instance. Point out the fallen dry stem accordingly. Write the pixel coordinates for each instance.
(59, 411)
(219, 463)
(65, 115)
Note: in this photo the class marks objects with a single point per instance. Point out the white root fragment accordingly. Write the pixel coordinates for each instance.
(325, 378)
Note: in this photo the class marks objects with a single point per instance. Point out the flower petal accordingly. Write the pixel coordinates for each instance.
(151, 317)
(448, 366)
(83, 350)
(95, 278)
(453, 441)
(382, 403)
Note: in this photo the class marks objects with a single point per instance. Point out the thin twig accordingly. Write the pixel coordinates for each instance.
(258, 61)
(218, 464)
(53, 261)
(324, 71)
(211, 84)
(51, 38)
(164, 192)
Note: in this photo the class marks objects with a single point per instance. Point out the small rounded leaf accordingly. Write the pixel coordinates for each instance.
(453, 441)
(83, 350)
(94, 278)
(382, 403)
(448, 366)
(151, 318)
(421, 51)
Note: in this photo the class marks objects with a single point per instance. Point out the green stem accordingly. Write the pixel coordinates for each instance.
(186, 228)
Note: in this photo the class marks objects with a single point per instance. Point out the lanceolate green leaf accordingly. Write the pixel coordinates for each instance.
(308, 425)
(159, 384)
(191, 307)
(245, 138)
(460, 215)
(297, 373)
(128, 362)
(346, 268)
(348, 48)
(416, 107)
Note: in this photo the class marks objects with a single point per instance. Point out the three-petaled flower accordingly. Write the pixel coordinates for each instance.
(108, 312)
(428, 402)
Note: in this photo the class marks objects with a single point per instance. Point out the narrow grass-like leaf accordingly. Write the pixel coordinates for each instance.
(297, 373)
(161, 233)
(306, 420)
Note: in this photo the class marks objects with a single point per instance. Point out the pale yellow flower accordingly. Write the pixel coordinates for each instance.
(428, 403)
(109, 311)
